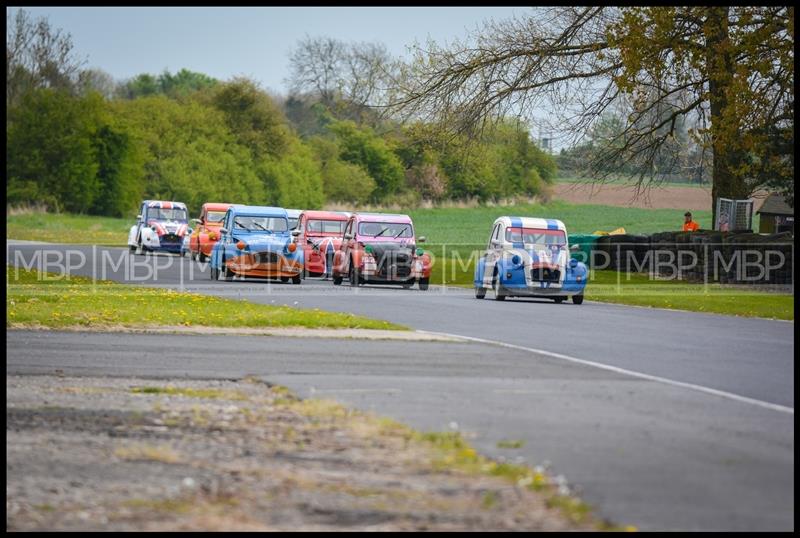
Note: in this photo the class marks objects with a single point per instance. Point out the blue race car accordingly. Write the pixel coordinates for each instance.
(257, 241)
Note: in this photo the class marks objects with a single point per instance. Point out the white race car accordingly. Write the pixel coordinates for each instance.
(160, 225)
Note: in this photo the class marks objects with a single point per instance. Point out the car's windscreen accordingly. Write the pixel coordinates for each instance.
(536, 236)
(215, 216)
(166, 214)
(333, 227)
(248, 223)
(385, 229)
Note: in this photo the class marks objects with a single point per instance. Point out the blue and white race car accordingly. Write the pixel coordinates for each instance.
(529, 257)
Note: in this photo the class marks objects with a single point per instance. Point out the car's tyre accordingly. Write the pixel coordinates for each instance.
(132, 249)
(577, 299)
(337, 280)
(480, 293)
(296, 279)
(214, 273)
(498, 291)
(352, 275)
(558, 300)
(423, 283)
(225, 273)
(202, 257)
(408, 285)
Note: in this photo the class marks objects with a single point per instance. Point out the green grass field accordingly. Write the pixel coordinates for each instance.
(67, 228)
(470, 227)
(43, 299)
(441, 226)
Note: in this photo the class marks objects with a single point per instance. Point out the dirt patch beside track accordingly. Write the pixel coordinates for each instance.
(127, 454)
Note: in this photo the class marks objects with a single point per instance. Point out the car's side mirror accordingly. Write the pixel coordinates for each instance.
(138, 217)
(295, 233)
(348, 236)
(223, 230)
(421, 239)
(573, 263)
(495, 243)
(574, 248)
(197, 221)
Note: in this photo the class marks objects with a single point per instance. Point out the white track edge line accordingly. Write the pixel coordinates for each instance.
(699, 388)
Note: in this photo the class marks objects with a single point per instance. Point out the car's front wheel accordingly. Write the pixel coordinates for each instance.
(480, 293)
(558, 300)
(577, 299)
(297, 279)
(423, 283)
(225, 273)
(353, 275)
(337, 280)
(498, 290)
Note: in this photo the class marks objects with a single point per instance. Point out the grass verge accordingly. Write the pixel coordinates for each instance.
(449, 452)
(68, 228)
(43, 299)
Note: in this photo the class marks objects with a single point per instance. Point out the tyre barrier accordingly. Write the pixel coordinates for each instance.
(701, 256)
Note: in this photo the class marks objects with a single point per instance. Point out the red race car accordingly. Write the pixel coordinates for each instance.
(321, 236)
(380, 248)
(207, 231)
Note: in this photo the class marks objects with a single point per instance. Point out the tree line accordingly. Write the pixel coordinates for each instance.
(79, 141)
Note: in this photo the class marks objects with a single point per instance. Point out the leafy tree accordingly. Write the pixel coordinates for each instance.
(181, 84)
(294, 180)
(361, 146)
(253, 117)
(37, 56)
(729, 70)
(50, 151)
(119, 171)
(189, 153)
(342, 181)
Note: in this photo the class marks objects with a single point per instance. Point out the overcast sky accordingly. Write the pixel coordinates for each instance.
(249, 41)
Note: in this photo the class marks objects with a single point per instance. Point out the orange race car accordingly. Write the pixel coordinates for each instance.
(207, 231)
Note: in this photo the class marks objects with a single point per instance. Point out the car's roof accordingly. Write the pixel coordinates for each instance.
(531, 222)
(259, 210)
(329, 215)
(216, 206)
(383, 217)
(165, 204)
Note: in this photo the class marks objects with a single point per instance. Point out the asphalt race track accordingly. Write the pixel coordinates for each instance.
(662, 419)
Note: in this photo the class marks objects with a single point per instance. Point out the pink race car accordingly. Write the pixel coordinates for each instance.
(381, 248)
